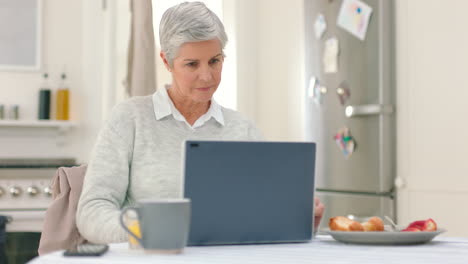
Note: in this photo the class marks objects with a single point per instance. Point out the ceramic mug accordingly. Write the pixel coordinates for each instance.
(164, 224)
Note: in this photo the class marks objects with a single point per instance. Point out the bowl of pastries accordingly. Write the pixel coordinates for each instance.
(373, 231)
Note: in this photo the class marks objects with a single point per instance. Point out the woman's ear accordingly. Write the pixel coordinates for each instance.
(166, 63)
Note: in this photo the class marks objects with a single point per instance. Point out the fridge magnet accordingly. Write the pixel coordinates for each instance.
(320, 26)
(354, 17)
(316, 90)
(319, 93)
(345, 142)
(343, 92)
(330, 56)
(311, 89)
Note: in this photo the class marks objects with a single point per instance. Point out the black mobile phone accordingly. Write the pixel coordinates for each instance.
(86, 250)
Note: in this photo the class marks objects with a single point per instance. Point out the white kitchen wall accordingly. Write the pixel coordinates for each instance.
(61, 46)
(271, 66)
(432, 90)
(245, 29)
(71, 38)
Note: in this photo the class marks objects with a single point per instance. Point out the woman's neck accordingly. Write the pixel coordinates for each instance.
(190, 109)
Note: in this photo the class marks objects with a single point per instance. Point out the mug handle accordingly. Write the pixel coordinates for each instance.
(122, 223)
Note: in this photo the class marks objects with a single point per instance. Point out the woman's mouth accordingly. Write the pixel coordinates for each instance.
(203, 89)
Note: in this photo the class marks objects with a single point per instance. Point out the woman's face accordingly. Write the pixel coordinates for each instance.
(196, 71)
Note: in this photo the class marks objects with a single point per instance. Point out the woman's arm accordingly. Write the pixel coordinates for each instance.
(105, 188)
(318, 213)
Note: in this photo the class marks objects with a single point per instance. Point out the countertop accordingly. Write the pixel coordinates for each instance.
(322, 249)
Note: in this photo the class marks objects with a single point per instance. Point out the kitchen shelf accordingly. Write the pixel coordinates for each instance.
(60, 125)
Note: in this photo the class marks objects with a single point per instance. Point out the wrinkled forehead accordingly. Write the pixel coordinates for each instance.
(200, 50)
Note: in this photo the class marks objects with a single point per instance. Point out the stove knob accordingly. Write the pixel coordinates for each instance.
(15, 191)
(2, 192)
(32, 190)
(48, 191)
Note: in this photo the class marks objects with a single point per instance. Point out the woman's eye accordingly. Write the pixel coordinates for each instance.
(213, 61)
(192, 64)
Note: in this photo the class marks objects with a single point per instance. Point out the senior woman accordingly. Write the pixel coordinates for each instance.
(138, 152)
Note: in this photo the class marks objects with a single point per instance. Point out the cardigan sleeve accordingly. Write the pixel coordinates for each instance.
(106, 183)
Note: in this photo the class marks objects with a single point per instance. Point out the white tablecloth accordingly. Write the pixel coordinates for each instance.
(322, 249)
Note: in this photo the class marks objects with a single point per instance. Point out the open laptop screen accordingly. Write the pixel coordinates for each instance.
(249, 192)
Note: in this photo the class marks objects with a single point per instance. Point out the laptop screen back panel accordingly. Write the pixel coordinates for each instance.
(249, 192)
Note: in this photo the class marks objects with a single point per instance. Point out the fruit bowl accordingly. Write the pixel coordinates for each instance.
(387, 237)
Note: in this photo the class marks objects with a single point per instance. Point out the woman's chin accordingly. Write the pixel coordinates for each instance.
(204, 101)
(203, 98)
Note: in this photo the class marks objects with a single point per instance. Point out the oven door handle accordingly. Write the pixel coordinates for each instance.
(23, 215)
(8, 219)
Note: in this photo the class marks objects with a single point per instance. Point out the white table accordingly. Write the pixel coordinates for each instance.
(322, 249)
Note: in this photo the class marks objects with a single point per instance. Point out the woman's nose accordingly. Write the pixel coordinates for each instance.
(205, 73)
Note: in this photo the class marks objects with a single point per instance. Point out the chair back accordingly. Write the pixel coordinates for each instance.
(59, 230)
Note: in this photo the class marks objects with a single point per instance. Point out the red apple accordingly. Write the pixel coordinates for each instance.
(429, 225)
(411, 229)
(417, 224)
(421, 225)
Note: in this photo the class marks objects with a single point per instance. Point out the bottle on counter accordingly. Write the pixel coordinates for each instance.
(2, 111)
(14, 112)
(62, 101)
(44, 99)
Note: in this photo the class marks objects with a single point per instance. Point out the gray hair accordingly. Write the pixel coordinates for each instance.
(188, 22)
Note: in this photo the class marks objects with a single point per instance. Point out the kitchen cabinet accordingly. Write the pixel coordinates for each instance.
(431, 88)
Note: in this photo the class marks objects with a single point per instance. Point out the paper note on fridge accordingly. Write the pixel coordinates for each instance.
(330, 55)
(354, 17)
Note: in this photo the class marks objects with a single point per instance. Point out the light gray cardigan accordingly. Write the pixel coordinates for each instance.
(137, 156)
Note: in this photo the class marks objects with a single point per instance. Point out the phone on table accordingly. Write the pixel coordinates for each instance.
(86, 250)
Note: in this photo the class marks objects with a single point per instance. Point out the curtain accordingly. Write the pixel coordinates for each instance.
(141, 71)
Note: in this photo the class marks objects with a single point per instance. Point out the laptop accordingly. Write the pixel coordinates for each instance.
(246, 192)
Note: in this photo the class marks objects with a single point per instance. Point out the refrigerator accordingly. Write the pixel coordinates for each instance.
(350, 105)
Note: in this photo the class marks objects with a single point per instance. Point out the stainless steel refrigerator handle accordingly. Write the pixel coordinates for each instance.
(370, 109)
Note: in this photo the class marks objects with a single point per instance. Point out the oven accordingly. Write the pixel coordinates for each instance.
(25, 194)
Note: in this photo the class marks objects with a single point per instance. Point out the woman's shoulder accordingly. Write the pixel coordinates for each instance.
(134, 104)
(231, 115)
(129, 110)
(237, 121)
(236, 118)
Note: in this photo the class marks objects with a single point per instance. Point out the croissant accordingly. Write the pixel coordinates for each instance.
(341, 223)
(373, 224)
